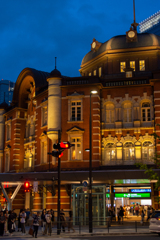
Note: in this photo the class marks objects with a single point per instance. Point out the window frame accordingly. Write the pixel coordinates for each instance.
(122, 66)
(131, 63)
(145, 111)
(142, 65)
(128, 114)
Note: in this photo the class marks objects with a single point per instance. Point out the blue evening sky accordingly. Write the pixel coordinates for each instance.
(34, 32)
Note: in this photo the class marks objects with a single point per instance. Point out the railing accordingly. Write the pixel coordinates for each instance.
(127, 162)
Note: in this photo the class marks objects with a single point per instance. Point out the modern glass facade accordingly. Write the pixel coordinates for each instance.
(6, 91)
(80, 197)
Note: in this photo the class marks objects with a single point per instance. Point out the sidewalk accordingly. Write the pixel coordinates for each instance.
(84, 232)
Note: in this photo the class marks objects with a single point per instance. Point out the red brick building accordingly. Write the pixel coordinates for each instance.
(125, 72)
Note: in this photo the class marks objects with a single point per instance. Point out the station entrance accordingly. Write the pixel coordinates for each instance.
(80, 198)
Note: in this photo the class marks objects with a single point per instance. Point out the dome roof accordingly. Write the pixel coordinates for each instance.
(55, 73)
(119, 42)
(3, 105)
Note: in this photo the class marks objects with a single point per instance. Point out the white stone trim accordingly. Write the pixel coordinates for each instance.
(16, 138)
(17, 134)
(16, 160)
(17, 124)
(96, 115)
(156, 99)
(156, 91)
(96, 109)
(15, 165)
(96, 154)
(96, 134)
(16, 144)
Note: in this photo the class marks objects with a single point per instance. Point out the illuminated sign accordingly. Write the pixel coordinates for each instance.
(140, 190)
(107, 195)
(132, 195)
(128, 181)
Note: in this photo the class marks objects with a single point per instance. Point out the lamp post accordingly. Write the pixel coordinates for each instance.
(90, 166)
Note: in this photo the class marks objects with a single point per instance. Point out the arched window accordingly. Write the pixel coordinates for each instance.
(128, 151)
(110, 113)
(127, 112)
(146, 116)
(110, 153)
(147, 151)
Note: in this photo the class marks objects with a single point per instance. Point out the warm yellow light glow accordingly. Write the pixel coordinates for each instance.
(94, 92)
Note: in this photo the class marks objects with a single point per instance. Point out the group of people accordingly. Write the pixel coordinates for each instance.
(128, 210)
(44, 219)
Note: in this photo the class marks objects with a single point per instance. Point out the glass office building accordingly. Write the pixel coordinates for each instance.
(6, 91)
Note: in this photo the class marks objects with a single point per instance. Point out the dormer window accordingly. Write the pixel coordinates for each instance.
(132, 65)
(122, 66)
(142, 65)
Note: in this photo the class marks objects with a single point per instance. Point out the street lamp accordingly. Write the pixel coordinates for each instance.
(90, 166)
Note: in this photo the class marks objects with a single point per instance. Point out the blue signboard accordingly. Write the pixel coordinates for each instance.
(141, 190)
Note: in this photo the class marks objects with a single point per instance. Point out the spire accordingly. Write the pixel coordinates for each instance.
(134, 24)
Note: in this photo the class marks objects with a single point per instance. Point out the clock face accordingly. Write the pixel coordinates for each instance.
(131, 34)
(93, 44)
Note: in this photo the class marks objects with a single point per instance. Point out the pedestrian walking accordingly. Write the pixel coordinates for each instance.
(70, 222)
(19, 220)
(23, 220)
(43, 219)
(27, 216)
(121, 213)
(35, 223)
(52, 219)
(6, 221)
(2, 221)
(62, 220)
(142, 216)
(48, 226)
(11, 221)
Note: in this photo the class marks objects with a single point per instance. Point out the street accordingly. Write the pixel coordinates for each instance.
(109, 237)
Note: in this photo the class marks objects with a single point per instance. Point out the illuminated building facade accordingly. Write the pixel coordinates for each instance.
(125, 72)
(151, 24)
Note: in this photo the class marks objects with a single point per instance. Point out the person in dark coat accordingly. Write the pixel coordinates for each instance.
(2, 221)
(11, 220)
(62, 220)
(19, 221)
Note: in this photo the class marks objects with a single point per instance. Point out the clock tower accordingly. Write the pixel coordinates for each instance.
(131, 35)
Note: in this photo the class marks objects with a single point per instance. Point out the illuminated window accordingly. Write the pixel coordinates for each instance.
(94, 72)
(122, 66)
(147, 151)
(76, 149)
(132, 65)
(146, 112)
(76, 111)
(44, 115)
(128, 151)
(109, 113)
(100, 72)
(110, 152)
(142, 65)
(90, 74)
(127, 112)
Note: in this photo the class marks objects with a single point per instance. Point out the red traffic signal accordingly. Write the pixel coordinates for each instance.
(26, 187)
(62, 145)
(57, 154)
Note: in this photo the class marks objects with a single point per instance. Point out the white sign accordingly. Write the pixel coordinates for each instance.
(35, 186)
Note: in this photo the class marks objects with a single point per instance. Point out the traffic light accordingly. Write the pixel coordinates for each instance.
(26, 187)
(57, 154)
(62, 146)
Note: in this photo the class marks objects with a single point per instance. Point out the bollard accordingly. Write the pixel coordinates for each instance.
(136, 225)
